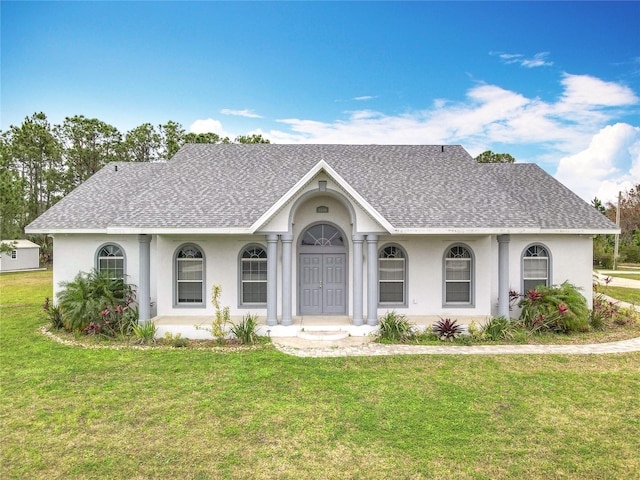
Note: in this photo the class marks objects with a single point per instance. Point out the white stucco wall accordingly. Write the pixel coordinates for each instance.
(77, 253)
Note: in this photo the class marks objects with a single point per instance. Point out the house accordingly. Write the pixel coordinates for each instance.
(303, 232)
(24, 255)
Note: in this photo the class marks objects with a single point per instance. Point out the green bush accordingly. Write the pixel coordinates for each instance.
(395, 327)
(245, 331)
(497, 328)
(630, 253)
(145, 332)
(96, 298)
(559, 308)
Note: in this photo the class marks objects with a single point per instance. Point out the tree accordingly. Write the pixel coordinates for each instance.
(89, 144)
(253, 138)
(171, 139)
(143, 144)
(31, 171)
(598, 205)
(490, 157)
(208, 137)
(629, 213)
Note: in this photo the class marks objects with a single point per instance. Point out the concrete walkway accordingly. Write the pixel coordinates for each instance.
(363, 346)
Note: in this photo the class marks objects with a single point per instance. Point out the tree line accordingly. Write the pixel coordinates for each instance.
(40, 163)
(629, 242)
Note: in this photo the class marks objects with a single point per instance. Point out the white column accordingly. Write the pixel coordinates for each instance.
(503, 275)
(144, 286)
(372, 279)
(357, 280)
(272, 279)
(287, 318)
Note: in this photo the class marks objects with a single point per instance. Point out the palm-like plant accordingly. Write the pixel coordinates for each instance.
(559, 308)
(88, 295)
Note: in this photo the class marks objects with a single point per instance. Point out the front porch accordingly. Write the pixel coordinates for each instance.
(198, 327)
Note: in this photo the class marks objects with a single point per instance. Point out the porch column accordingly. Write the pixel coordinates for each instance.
(144, 282)
(372, 279)
(503, 275)
(287, 318)
(272, 279)
(357, 279)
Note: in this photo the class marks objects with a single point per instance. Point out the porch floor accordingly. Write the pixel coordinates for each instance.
(199, 326)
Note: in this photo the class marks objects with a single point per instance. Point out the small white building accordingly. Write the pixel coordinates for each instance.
(25, 255)
(310, 232)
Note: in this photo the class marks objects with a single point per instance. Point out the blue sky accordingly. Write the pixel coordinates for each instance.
(549, 82)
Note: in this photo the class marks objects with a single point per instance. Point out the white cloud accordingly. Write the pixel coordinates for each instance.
(587, 90)
(609, 164)
(364, 98)
(240, 113)
(538, 60)
(209, 125)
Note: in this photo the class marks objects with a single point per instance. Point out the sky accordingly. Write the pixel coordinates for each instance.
(552, 83)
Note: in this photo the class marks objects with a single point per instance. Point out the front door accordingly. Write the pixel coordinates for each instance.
(322, 284)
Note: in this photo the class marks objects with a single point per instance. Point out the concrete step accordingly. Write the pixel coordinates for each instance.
(322, 335)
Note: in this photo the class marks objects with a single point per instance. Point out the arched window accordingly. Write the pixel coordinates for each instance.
(189, 276)
(323, 235)
(110, 258)
(392, 276)
(458, 276)
(253, 275)
(535, 267)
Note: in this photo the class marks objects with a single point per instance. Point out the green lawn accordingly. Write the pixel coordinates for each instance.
(631, 276)
(69, 412)
(624, 294)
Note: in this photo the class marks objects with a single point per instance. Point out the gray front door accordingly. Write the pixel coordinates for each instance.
(322, 284)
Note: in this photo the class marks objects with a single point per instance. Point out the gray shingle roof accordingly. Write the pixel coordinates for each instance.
(232, 186)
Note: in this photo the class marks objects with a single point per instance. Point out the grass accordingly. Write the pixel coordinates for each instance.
(630, 276)
(624, 294)
(69, 412)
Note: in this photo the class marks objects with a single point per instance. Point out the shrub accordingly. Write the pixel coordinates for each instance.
(497, 328)
(53, 313)
(145, 332)
(245, 331)
(176, 341)
(94, 297)
(559, 308)
(447, 329)
(395, 327)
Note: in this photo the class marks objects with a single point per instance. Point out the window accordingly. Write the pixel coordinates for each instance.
(14, 254)
(111, 260)
(189, 276)
(458, 276)
(535, 267)
(323, 235)
(392, 276)
(253, 275)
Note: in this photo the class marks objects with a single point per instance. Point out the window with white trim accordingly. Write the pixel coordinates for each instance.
(392, 276)
(189, 276)
(253, 275)
(458, 276)
(535, 267)
(110, 259)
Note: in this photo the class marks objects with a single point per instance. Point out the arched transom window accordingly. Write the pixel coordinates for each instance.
(253, 275)
(323, 235)
(392, 276)
(458, 276)
(111, 260)
(189, 276)
(535, 267)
